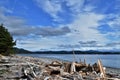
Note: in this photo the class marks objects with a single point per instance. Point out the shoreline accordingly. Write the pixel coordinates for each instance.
(13, 65)
(75, 53)
(57, 59)
(108, 60)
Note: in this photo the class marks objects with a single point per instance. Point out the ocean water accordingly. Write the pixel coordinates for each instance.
(107, 60)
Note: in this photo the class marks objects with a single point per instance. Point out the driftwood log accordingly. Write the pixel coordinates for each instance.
(102, 70)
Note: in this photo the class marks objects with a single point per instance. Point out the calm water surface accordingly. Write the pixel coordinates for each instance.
(107, 60)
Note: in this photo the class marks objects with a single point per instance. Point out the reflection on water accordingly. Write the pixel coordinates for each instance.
(107, 60)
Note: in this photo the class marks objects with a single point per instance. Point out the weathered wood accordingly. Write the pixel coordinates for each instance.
(102, 71)
(55, 70)
(67, 67)
(113, 79)
(73, 69)
(84, 62)
(56, 63)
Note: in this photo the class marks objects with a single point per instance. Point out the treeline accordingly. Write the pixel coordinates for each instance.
(17, 50)
(76, 52)
(22, 51)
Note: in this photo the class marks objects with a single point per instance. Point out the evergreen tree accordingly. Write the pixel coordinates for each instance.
(6, 41)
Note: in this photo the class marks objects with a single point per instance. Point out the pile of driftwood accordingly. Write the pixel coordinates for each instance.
(66, 71)
(21, 68)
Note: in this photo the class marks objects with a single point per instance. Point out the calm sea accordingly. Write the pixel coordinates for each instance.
(107, 60)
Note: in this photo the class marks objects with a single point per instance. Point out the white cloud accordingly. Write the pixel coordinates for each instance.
(55, 7)
(114, 24)
(48, 43)
(75, 5)
(51, 7)
(17, 27)
(11, 22)
(84, 27)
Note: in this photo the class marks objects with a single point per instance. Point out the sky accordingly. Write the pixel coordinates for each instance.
(43, 25)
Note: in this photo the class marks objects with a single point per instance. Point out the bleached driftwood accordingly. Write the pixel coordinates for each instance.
(102, 71)
(73, 69)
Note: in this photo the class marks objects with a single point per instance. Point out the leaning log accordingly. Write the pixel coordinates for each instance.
(102, 71)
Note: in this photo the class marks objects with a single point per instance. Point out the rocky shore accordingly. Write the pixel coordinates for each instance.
(30, 68)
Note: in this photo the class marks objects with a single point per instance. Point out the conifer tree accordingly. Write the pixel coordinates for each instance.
(6, 41)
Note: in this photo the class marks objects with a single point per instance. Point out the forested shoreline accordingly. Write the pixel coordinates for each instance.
(22, 51)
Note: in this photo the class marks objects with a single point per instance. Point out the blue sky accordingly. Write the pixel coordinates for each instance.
(63, 24)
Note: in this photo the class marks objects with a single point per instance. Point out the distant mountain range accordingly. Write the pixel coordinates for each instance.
(21, 51)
